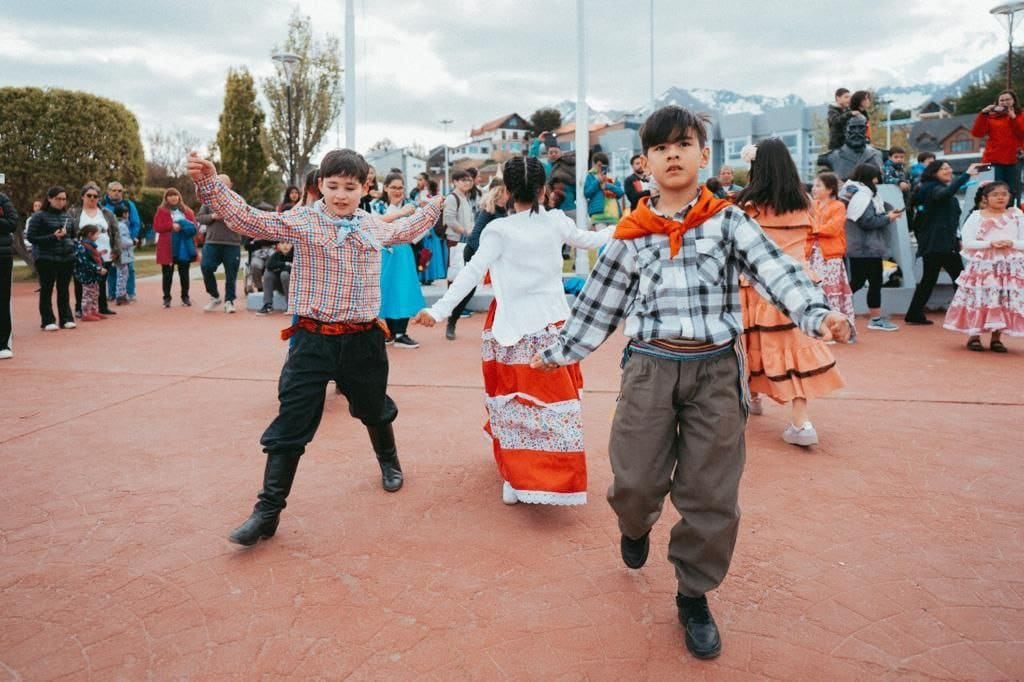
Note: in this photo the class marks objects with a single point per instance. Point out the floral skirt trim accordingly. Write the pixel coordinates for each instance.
(535, 421)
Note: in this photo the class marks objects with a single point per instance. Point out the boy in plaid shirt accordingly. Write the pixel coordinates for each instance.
(335, 296)
(672, 273)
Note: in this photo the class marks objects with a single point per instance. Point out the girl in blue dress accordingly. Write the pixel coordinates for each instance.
(400, 295)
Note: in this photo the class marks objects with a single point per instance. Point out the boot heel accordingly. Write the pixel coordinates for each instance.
(255, 528)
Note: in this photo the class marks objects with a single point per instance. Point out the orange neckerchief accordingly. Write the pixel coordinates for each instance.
(643, 221)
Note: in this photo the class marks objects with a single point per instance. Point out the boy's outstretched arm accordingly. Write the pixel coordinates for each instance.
(784, 282)
(406, 230)
(598, 308)
(236, 214)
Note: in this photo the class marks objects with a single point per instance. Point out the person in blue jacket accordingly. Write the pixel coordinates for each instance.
(599, 185)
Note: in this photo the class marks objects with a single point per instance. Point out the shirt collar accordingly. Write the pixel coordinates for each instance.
(680, 214)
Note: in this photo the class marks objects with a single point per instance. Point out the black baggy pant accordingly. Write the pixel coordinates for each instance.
(357, 363)
(933, 263)
(60, 274)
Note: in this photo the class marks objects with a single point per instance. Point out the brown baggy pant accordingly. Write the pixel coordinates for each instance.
(678, 428)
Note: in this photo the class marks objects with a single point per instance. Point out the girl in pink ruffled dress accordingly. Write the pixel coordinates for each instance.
(990, 293)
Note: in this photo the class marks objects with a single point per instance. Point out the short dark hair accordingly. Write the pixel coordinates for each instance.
(473, 172)
(671, 124)
(344, 163)
(634, 158)
(831, 182)
(925, 155)
(86, 230)
(866, 174)
(840, 92)
(391, 177)
(897, 150)
(599, 157)
(713, 185)
(460, 175)
(120, 211)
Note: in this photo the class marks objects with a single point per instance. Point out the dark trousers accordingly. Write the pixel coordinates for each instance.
(867, 270)
(215, 255)
(933, 263)
(357, 363)
(1010, 174)
(458, 309)
(6, 318)
(397, 327)
(55, 273)
(168, 276)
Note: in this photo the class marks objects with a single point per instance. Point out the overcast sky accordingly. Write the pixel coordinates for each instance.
(419, 62)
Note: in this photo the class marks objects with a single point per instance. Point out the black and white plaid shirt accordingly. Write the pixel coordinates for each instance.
(692, 296)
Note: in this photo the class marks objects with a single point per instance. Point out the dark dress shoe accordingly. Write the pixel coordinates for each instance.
(634, 552)
(702, 638)
(108, 311)
(921, 321)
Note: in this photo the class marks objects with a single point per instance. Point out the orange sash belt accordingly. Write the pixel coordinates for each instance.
(332, 328)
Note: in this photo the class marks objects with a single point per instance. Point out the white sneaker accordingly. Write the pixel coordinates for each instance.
(52, 327)
(229, 307)
(805, 436)
(212, 305)
(70, 325)
(508, 495)
(6, 353)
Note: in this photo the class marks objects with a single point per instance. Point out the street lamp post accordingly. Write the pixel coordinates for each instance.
(445, 122)
(888, 121)
(288, 62)
(1007, 14)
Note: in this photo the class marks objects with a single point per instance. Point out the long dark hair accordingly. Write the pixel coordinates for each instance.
(51, 193)
(774, 180)
(866, 174)
(1011, 93)
(524, 178)
(857, 100)
(932, 170)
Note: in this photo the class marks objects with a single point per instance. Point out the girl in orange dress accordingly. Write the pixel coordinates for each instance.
(784, 364)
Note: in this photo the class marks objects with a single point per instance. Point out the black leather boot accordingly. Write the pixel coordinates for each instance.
(383, 439)
(277, 483)
(701, 632)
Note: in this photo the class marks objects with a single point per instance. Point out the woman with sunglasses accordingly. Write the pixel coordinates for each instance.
(108, 245)
(53, 235)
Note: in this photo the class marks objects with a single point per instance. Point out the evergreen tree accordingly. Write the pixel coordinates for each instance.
(978, 96)
(545, 119)
(240, 138)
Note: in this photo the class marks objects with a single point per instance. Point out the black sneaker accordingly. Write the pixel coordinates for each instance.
(405, 341)
(702, 638)
(185, 301)
(265, 310)
(167, 303)
(634, 552)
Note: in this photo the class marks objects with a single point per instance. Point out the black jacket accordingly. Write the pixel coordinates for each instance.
(940, 220)
(837, 118)
(8, 226)
(631, 185)
(482, 220)
(41, 227)
(280, 262)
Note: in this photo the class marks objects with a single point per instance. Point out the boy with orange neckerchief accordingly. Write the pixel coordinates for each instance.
(672, 273)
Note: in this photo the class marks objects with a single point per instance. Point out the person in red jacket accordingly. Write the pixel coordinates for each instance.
(1004, 126)
(174, 224)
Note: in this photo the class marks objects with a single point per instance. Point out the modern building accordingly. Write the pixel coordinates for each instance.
(800, 128)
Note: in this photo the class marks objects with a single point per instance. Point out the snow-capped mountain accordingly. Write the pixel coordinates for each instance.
(722, 102)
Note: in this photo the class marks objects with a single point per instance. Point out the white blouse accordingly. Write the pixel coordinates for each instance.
(524, 255)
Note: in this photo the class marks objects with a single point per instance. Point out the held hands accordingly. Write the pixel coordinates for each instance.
(423, 317)
(199, 168)
(537, 362)
(835, 327)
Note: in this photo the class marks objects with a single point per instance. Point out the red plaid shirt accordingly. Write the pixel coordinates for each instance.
(330, 282)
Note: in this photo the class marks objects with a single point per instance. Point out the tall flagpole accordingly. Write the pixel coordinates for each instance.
(350, 74)
(582, 142)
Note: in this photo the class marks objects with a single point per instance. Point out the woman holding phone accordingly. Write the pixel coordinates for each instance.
(1004, 126)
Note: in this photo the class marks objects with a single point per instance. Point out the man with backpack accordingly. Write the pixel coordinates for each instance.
(458, 224)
